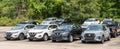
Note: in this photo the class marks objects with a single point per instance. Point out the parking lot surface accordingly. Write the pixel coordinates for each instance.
(25, 44)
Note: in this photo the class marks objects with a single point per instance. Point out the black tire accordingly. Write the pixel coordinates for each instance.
(70, 38)
(109, 38)
(45, 37)
(21, 37)
(53, 40)
(30, 39)
(114, 35)
(83, 41)
(8, 39)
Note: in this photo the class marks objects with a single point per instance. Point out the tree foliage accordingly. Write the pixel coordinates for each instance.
(76, 10)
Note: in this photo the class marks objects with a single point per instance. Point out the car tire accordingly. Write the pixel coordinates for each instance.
(8, 39)
(30, 39)
(108, 38)
(71, 38)
(21, 37)
(103, 40)
(83, 41)
(53, 40)
(114, 35)
(45, 37)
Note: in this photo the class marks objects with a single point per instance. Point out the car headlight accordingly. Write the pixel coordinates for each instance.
(15, 32)
(65, 33)
(40, 32)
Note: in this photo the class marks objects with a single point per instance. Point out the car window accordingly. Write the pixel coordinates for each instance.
(54, 26)
(104, 28)
(51, 26)
(35, 23)
(30, 26)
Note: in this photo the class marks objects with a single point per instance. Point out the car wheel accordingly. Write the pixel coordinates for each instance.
(103, 40)
(83, 41)
(45, 37)
(114, 35)
(53, 40)
(7, 38)
(30, 39)
(70, 38)
(21, 37)
(108, 38)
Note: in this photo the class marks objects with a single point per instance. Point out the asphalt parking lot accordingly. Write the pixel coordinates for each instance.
(25, 44)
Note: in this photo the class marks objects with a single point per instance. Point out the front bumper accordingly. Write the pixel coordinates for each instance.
(35, 37)
(11, 36)
(95, 39)
(59, 38)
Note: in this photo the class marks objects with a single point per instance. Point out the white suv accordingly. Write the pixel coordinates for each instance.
(41, 32)
(96, 32)
(18, 32)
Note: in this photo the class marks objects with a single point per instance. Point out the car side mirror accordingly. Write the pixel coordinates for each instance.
(25, 28)
(49, 28)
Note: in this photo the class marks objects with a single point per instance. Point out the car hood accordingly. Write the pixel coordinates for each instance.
(13, 31)
(60, 31)
(37, 30)
(95, 32)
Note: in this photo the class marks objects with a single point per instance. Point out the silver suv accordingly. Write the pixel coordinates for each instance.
(96, 32)
(18, 32)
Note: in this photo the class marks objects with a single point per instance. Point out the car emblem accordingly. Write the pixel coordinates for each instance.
(89, 35)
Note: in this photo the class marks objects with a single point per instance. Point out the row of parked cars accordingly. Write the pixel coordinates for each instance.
(62, 30)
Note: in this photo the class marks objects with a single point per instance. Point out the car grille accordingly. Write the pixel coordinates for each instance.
(89, 36)
(57, 36)
(32, 34)
(8, 34)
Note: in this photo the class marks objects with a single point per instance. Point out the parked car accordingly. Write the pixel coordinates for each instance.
(66, 32)
(18, 32)
(118, 30)
(29, 22)
(89, 22)
(96, 33)
(41, 32)
(112, 26)
(51, 20)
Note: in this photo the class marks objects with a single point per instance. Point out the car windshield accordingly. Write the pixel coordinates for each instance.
(25, 22)
(18, 27)
(90, 20)
(95, 27)
(109, 23)
(41, 27)
(49, 19)
(65, 27)
(62, 19)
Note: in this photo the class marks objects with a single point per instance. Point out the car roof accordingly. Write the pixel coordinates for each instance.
(25, 24)
(91, 18)
(107, 20)
(97, 24)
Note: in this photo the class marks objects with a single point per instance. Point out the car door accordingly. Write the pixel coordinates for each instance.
(51, 28)
(105, 31)
(75, 32)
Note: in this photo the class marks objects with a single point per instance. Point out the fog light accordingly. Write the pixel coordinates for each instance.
(39, 35)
